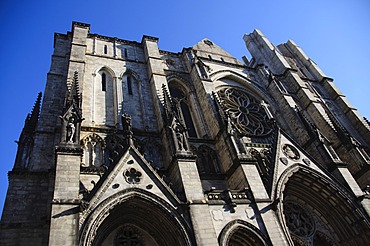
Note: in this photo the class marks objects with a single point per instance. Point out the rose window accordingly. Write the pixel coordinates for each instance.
(299, 222)
(247, 113)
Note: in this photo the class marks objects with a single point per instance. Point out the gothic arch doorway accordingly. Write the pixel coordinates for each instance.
(315, 210)
(135, 217)
(241, 233)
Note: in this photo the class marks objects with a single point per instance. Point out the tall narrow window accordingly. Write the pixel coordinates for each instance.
(105, 49)
(183, 109)
(103, 82)
(125, 51)
(129, 85)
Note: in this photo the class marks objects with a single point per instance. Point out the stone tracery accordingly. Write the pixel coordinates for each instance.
(246, 112)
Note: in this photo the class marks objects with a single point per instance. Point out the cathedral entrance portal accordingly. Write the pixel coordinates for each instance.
(135, 219)
(317, 211)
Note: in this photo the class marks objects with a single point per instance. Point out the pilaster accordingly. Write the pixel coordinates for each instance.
(157, 77)
(65, 203)
(199, 212)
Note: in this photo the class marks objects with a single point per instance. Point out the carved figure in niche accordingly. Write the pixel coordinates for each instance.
(126, 123)
(180, 137)
(178, 131)
(93, 146)
(127, 128)
(71, 129)
(290, 152)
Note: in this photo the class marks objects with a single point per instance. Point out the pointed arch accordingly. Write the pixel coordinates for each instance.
(184, 99)
(242, 79)
(139, 209)
(107, 69)
(130, 97)
(103, 96)
(207, 161)
(230, 79)
(313, 206)
(242, 233)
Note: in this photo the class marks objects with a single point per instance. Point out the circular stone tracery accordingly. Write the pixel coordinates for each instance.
(246, 112)
(299, 222)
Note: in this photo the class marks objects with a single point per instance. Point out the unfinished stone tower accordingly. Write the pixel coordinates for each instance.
(133, 145)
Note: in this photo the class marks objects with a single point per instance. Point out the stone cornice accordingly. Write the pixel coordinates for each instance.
(115, 39)
(80, 24)
(114, 58)
(150, 38)
(164, 52)
(26, 173)
(69, 150)
(66, 201)
(226, 63)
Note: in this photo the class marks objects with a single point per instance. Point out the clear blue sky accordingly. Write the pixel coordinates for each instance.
(334, 33)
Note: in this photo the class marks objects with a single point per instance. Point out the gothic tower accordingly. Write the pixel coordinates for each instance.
(134, 145)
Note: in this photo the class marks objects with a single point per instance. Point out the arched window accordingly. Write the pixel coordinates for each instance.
(103, 82)
(103, 98)
(125, 51)
(130, 98)
(129, 85)
(182, 105)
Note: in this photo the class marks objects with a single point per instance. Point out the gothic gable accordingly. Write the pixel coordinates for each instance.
(132, 170)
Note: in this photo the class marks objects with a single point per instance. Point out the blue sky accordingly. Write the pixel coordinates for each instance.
(334, 33)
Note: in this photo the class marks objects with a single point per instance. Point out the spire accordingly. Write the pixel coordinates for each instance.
(26, 139)
(32, 118)
(72, 113)
(167, 103)
(73, 94)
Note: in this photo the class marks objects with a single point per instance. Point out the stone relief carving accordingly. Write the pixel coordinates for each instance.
(218, 215)
(290, 152)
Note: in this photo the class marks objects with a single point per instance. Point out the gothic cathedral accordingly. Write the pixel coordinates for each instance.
(133, 145)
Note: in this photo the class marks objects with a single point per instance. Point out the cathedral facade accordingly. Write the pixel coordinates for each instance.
(133, 145)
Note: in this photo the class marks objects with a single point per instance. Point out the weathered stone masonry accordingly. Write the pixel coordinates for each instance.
(131, 144)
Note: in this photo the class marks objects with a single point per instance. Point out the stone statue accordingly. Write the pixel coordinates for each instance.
(127, 128)
(178, 132)
(71, 128)
(126, 123)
